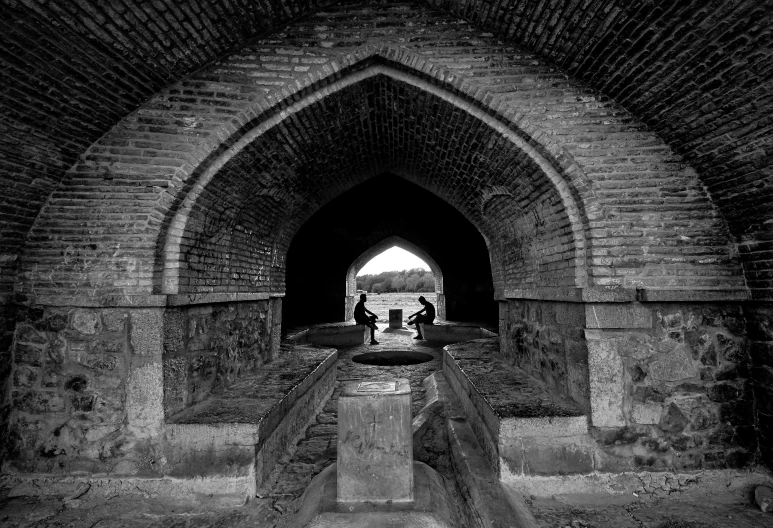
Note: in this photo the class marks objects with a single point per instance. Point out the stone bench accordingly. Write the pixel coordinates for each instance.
(233, 440)
(333, 335)
(524, 428)
(447, 332)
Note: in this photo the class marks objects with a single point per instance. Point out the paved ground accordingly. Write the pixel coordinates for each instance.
(317, 449)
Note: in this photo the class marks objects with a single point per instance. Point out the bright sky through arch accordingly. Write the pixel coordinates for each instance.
(393, 259)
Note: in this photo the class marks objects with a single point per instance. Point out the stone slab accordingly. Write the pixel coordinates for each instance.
(339, 335)
(520, 424)
(606, 379)
(453, 333)
(622, 315)
(243, 432)
(395, 318)
(375, 442)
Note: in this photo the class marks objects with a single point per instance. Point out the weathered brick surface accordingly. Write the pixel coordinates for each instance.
(663, 233)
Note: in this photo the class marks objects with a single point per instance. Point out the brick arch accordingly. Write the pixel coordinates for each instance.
(171, 251)
(599, 163)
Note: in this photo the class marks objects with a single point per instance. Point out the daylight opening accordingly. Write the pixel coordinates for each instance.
(395, 270)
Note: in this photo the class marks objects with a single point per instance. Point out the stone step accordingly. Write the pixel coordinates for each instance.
(523, 427)
(240, 433)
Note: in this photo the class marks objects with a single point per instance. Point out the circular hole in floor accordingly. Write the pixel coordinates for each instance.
(392, 358)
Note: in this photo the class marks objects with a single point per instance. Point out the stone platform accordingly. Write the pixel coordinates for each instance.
(241, 433)
(451, 332)
(524, 428)
(334, 335)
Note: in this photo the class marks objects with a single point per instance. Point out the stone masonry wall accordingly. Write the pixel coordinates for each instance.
(760, 330)
(546, 340)
(673, 391)
(207, 347)
(82, 389)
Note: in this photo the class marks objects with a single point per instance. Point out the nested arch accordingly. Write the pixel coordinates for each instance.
(387, 243)
(374, 119)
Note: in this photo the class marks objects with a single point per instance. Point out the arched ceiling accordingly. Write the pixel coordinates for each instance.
(699, 73)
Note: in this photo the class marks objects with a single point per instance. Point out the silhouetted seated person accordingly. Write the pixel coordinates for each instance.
(427, 318)
(361, 317)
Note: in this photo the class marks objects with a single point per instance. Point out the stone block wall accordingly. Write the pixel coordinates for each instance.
(683, 377)
(207, 347)
(90, 386)
(760, 335)
(84, 382)
(546, 340)
(668, 386)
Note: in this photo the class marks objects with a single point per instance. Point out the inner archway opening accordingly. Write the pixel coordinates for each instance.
(336, 242)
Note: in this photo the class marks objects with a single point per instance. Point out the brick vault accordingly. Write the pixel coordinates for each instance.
(605, 164)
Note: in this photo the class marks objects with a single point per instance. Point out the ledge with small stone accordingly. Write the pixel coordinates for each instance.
(241, 433)
(523, 427)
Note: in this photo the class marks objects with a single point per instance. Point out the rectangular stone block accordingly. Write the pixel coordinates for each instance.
(338, 335)
(447, 333)
(375, 443)
(395, 318)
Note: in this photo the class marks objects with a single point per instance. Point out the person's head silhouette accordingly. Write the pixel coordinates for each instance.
(422, 300)
(363, 298)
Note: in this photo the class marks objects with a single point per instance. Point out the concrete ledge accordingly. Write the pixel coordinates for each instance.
(205, 493)
(453, 332)
(334, 335)
(243, 432)
(640, 482)
(602, 294)
(521, 426)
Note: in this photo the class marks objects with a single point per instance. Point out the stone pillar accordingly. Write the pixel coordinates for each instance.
(395, 318)
(375, 444)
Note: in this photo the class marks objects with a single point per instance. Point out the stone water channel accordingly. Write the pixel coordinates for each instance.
(317, 449)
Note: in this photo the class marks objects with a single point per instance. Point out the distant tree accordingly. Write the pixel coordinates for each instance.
(427, 283)
(398, 283)
(412, 281)
(377, 288)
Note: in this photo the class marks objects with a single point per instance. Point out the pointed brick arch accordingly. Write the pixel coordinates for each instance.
(171, 248)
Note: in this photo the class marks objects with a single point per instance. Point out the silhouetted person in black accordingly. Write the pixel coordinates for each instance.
(361, 317)
(426, 319)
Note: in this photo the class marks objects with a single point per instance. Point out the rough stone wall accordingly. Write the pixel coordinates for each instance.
(208, 347)
(80, 394)
(546, 340)
(680, 383)
(760, 331)
(7, 327)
